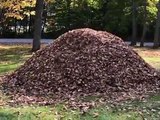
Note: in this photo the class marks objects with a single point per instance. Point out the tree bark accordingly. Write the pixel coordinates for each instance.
(37, 25)
(134, 24)
(29, 24)
(45, 18)
(144, 25)
(156, 35)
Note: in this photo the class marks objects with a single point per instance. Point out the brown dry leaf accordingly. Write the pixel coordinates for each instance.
(95, 114)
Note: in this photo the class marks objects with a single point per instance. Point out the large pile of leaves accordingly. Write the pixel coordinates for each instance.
(83, 62)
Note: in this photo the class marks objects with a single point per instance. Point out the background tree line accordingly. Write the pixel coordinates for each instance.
(135, 20)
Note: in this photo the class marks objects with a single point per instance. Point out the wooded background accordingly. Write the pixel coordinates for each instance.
(135, 20)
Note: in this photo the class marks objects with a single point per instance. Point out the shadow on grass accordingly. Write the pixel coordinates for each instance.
(13, 54)
(7, 116)
(12, 57)
(18, 116)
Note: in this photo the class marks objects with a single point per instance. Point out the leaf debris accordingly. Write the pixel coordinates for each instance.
(81, 63)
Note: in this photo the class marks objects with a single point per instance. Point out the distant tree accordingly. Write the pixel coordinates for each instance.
(16, 8)
(116, 16)
(156, 34)
(144, 24)
(15, 12)
(104, 10)
(37, 25)
(134, 24)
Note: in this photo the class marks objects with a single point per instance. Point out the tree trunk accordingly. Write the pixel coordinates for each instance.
(15, 26)
(30, 24)
(37, 25)
(134, 24)
(104, 11)
(68, 13)
(156, 35)
(45, 18)
(144, 25)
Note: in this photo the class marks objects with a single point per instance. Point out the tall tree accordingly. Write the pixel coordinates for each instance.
(37, 25)
(134, 24)
(104, 10)
(144, 24)
(68, 5)
(156, 34)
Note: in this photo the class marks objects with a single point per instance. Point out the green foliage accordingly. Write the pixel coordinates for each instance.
(61, 15)
(112, 15)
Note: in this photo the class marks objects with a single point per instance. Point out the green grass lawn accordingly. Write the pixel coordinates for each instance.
(151, 56)
(11, 57)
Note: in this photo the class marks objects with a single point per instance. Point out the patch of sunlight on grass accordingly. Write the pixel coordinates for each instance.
(151, 56)
(4, 68)
(12, 56)
(26, 56)
(153, 61)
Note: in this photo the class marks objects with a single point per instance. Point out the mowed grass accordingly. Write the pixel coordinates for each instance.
(61, 113)
(151, 56)
(12, 56)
